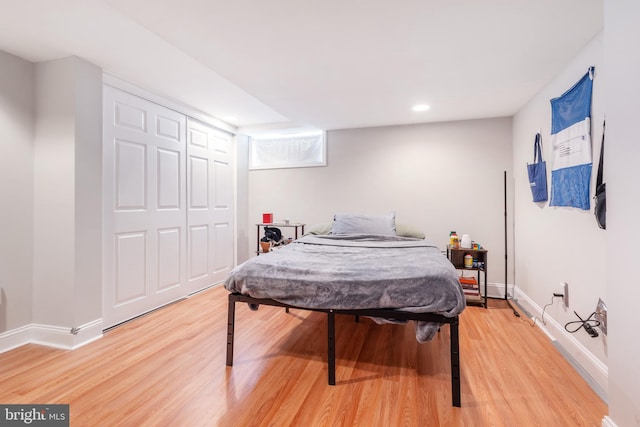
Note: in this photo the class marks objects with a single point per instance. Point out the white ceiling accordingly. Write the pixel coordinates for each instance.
(330, 64)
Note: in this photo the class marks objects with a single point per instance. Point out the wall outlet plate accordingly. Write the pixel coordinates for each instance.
(601, 315)
(565, 293)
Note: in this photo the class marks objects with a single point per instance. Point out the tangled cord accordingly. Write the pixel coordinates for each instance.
(532, 324)
(587, 324)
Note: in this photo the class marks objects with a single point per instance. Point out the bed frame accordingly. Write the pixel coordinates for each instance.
(387, 314)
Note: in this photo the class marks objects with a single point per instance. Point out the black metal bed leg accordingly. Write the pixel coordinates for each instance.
(331, 353)
(231, 313)
(455, 363)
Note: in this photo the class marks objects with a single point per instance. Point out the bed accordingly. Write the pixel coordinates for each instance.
(381, 275)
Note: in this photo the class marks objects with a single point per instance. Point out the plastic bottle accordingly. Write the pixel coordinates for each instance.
(453, 240)
(468, 261)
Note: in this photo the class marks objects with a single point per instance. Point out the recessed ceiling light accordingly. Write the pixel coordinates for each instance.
(420, 107)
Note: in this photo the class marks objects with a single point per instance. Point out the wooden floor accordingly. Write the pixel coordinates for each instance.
(168, 369)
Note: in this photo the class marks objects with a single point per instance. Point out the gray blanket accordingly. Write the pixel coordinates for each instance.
(355, 272)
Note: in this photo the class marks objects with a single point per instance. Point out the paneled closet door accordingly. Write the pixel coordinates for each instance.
(210, 205)
(145, 214)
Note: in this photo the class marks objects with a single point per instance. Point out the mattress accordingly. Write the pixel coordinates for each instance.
(353, 272)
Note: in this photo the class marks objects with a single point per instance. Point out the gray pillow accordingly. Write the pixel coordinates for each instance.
(364, 224)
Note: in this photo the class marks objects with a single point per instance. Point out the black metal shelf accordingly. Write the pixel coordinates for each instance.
(456, 257)
(298, 231)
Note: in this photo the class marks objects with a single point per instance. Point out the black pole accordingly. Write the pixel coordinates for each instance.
(506, 276)
(505, 236)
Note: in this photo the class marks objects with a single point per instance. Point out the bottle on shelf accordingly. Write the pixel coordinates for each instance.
(454, 241)
(468, 261)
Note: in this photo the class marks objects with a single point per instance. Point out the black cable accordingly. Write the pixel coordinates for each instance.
(515, 312)
(588, 325)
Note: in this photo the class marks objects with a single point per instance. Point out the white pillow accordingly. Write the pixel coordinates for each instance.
(364, 224)
(404, 230)
(324, 228)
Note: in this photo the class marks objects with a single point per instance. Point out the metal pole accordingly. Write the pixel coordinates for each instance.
(505, 236)
(506, 276)
(331, 356)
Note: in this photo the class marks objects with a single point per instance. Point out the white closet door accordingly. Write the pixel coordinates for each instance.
(210, 205)
(144, 207)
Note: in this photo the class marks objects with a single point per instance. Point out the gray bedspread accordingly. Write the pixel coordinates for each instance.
(355, 272)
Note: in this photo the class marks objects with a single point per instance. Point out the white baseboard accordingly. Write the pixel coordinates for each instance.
(597, 372)
(51, 336)
(15, 338)
(496, 290)
(608, 422)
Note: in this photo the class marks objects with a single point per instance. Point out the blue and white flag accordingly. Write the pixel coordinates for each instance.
(571, 143)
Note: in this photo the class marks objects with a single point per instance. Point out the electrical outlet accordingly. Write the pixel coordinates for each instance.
(565, 293)
(601, 315)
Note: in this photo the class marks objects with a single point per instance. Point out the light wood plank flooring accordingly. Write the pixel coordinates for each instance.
(168, 369)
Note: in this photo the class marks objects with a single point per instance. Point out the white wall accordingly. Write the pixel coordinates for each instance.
(438, 177)
(50, 188)
(87, 304)
(243, 230)
(67, 201)
(558, 244)
(17, 115)
(54, 196)
(622, 176)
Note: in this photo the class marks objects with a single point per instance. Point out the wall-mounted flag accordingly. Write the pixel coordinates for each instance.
(571, 143)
